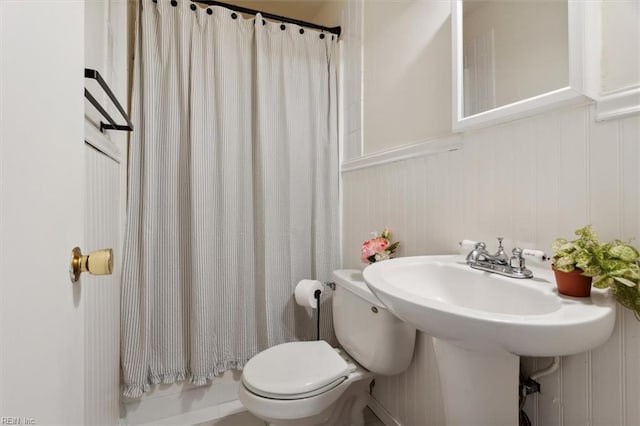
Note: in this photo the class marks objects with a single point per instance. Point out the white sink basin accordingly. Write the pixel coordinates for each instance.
(482, 323)
(445, 298)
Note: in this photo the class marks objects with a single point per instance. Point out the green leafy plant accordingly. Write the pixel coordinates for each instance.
(612, 265)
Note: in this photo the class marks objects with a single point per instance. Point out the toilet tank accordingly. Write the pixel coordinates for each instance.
(373, 336)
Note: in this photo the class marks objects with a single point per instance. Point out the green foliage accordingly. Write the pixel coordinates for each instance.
(629, 297)
(582, 253)
(613, 264)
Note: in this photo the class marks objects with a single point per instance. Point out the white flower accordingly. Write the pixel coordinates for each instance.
(383, 255)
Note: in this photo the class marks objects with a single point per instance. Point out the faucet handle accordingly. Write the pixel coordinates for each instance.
(519, 258)
(519, 268)
(500, 254)
(480, 245)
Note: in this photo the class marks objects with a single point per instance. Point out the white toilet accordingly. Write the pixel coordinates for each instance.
(311, 383)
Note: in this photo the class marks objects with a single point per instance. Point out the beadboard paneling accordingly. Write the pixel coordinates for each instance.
(101, 294)
(530, 181)
(416, 393)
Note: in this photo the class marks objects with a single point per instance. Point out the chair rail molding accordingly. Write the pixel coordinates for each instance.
(405, 152)
(618, 104)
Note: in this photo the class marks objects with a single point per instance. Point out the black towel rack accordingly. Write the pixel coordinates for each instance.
(95, 75)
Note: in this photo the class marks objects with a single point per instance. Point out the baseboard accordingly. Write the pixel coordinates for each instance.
(385, 416)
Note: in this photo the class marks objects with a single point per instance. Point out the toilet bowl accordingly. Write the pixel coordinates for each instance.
(303, 384)
(311, 383)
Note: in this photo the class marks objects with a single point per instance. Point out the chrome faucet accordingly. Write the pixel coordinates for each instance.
(500, 262)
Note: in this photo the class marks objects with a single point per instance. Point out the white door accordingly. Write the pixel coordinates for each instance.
(53, 362)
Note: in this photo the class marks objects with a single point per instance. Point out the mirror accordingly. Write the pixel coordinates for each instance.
(515, 58)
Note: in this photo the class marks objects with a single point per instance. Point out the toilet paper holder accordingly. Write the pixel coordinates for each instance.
(317, 294)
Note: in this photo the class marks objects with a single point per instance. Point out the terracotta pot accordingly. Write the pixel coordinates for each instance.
(572, 283)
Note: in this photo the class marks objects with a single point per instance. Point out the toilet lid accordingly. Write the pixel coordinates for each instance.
(295, 370)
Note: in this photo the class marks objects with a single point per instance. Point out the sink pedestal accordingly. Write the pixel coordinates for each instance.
(478, 387)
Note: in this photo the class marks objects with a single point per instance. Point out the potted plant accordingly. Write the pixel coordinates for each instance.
(575, 263)
(611, 265)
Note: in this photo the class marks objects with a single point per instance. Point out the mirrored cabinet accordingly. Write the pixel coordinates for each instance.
(517, 58)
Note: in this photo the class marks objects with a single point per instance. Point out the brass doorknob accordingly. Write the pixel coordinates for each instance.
(99, 262)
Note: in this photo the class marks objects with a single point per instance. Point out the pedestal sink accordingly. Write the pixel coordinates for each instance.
(482, 323)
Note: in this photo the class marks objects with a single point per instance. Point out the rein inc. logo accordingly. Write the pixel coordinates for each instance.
(5, 420)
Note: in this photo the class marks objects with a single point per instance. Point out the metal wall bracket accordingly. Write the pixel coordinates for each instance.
(111, 125)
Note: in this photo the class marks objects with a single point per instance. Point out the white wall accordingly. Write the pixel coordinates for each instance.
(406, 83)
(106, 49)
(529, 180)
(621, 36)
(348, 14)
(101, 294)
(300, 9)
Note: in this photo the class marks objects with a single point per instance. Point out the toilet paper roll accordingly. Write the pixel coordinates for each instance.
(467, 245)
(304, 293)
(537, 256)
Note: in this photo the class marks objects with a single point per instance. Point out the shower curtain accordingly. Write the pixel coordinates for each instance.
(233, 190)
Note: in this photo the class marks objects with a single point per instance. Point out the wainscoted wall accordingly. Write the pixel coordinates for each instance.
(105, 50)
(101, 294)
(529, 181)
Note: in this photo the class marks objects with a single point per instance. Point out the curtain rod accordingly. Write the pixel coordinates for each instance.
(332, 30)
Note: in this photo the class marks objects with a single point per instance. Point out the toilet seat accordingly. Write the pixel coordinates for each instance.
(295, 370)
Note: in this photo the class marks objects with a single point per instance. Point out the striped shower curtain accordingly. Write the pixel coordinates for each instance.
(233, 190)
